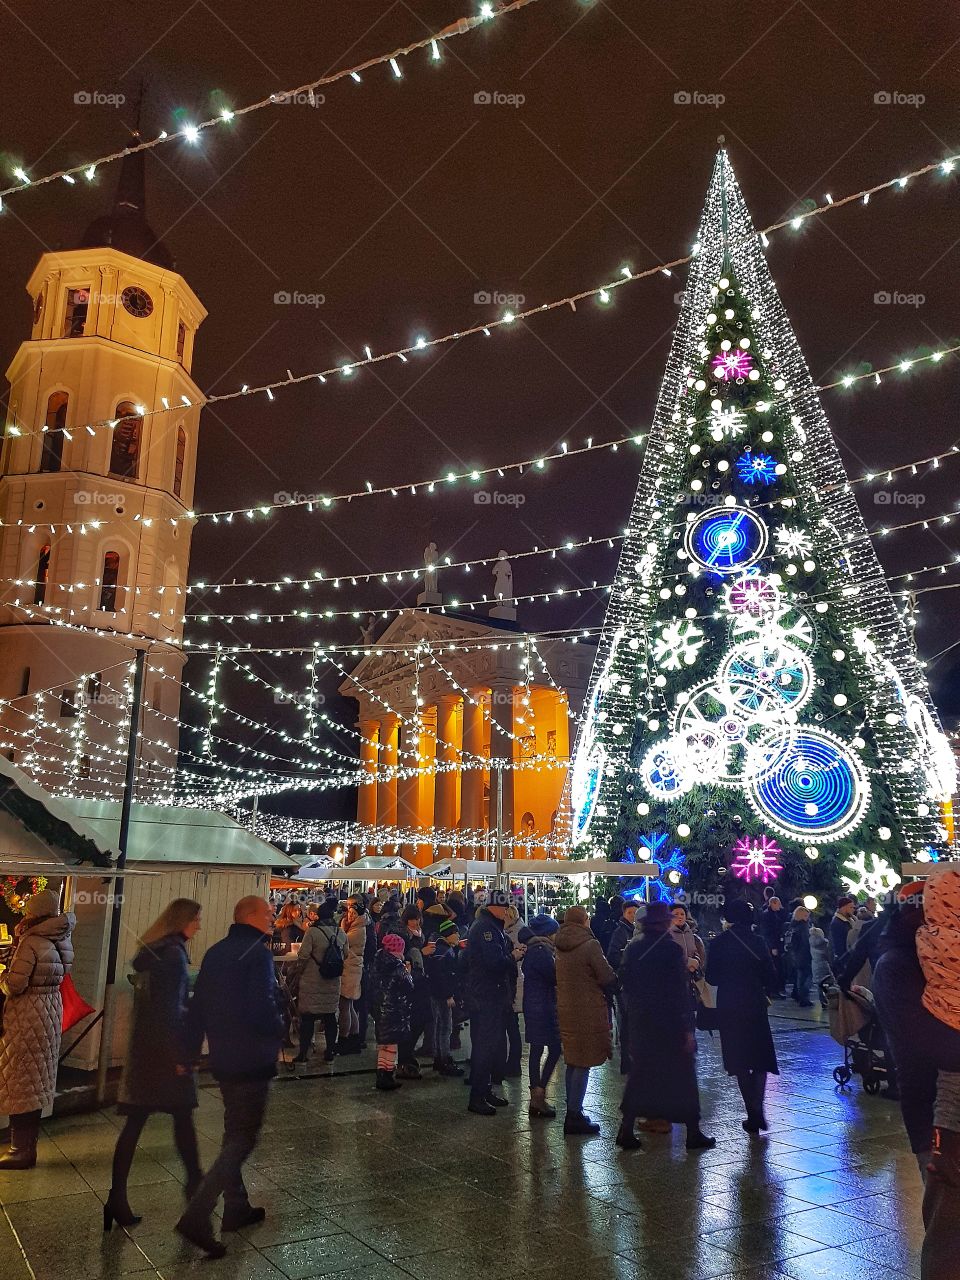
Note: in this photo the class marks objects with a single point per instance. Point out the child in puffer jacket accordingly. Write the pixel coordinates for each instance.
(392, 1007)
(443, 976)
(938, 949)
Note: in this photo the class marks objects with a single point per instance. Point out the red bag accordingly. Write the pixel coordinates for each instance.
(74, 1005)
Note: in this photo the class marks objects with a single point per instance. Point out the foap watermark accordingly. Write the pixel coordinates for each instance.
(497, 298)
(93, 498)
(296, 298)
(96, 898)
(895, 98)
(494, 98)
(894, 298)
(497, 498)
(97, 98)
(898, 498)
(284, 498)
(305, 98)
(697, 98)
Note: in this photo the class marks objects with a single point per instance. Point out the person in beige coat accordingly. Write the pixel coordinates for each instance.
(354, 925)
(585, 983)
(32, 1023)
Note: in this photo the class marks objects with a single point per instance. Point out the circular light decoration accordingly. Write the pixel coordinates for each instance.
(663, 774)
(818, 790)
(727, 540)
(585, 788)
(780, 668)
(752, 593)
(756, 859)
(810, 902)
(756, 468)
(729, 365)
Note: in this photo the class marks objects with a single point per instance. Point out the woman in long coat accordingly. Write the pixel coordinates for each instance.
(355, 927)
(317, 996)
(742, 969)
(583, 981)
(32, 1023)
(662, 1084)
(158, 1074)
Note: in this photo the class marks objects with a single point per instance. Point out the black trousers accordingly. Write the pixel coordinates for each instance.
(244, 1104)
(363, 1005)
(307, 1023)
(488, 1039)
(514, 1044)
(420, 1018)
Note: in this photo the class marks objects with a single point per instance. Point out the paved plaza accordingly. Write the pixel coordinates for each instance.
(366, 1186)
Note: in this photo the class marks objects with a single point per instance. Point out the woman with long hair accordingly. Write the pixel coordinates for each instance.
(158, 1074)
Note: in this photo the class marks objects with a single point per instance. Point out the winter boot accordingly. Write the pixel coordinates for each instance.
(479, 1105)
(387, 1081)
(945, 1158)
(697, 1140)
(24, 1132)
(626, 1138)
(577, 1122)
(539, 1105)
(496, 1099)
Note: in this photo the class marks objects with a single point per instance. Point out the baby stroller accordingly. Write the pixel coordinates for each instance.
(855, 1026)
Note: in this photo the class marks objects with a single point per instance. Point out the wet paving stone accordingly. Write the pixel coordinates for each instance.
(359, 1186)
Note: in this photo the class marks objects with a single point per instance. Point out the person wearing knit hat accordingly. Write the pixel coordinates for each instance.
(740, 966)
(392, 1001)
(540, 1022)
(662, 1084)
(442, 968)
(32, 1020)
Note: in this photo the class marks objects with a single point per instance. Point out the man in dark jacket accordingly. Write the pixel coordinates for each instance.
(840, 926)
(491, 976)
(771, 926)
(235, 1006)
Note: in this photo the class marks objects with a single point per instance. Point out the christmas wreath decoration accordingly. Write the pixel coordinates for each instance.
(14, 900)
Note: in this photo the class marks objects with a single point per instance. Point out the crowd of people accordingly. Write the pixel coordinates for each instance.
(418, 972)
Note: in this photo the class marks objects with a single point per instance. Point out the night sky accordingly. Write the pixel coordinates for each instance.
(399, 201)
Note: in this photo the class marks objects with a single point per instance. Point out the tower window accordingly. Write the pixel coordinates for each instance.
(68, 704)
(125, 450)
(93, 687)
(109, 580)
(43, 572)
(84, 766)
(75, 318)
(178, 465)
(25, 682)
(55, 421)
(181, 340)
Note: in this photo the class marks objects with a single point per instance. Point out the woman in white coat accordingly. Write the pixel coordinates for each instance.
(354, 925)
(32, 1023)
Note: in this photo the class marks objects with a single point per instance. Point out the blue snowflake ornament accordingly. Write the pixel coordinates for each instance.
(756, 468)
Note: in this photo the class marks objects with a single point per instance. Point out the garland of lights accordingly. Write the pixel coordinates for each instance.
(191, 132)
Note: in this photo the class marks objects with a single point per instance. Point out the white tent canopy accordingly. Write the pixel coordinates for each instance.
(459, 869)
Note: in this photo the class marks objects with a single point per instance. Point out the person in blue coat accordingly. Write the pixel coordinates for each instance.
(740, 966)
(541, 1026)
(236, 1007)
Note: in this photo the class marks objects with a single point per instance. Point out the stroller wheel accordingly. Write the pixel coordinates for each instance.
(871, 1086)
(842, 1075)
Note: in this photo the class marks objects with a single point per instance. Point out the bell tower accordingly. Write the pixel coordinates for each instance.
(97, 473)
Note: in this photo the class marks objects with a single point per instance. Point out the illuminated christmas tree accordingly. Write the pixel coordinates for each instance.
(755, 687)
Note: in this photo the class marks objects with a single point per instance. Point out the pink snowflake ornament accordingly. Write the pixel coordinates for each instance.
(756, 859)
(728, 365)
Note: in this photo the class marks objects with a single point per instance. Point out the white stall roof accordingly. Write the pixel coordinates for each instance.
(168, 834)
(380, 868)
(458, 869)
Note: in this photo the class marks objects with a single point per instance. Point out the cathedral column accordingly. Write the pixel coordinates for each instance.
(445, 778)
(387, 784)
(501, 749)
(408, 785)
(367, 791)
(471, 778)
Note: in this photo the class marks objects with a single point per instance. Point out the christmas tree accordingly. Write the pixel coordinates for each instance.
(756, 708)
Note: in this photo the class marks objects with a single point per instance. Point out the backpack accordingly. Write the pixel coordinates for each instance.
(331, 966)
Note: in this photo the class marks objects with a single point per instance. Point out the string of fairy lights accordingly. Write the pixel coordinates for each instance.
(191, 132)
(601, 293)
